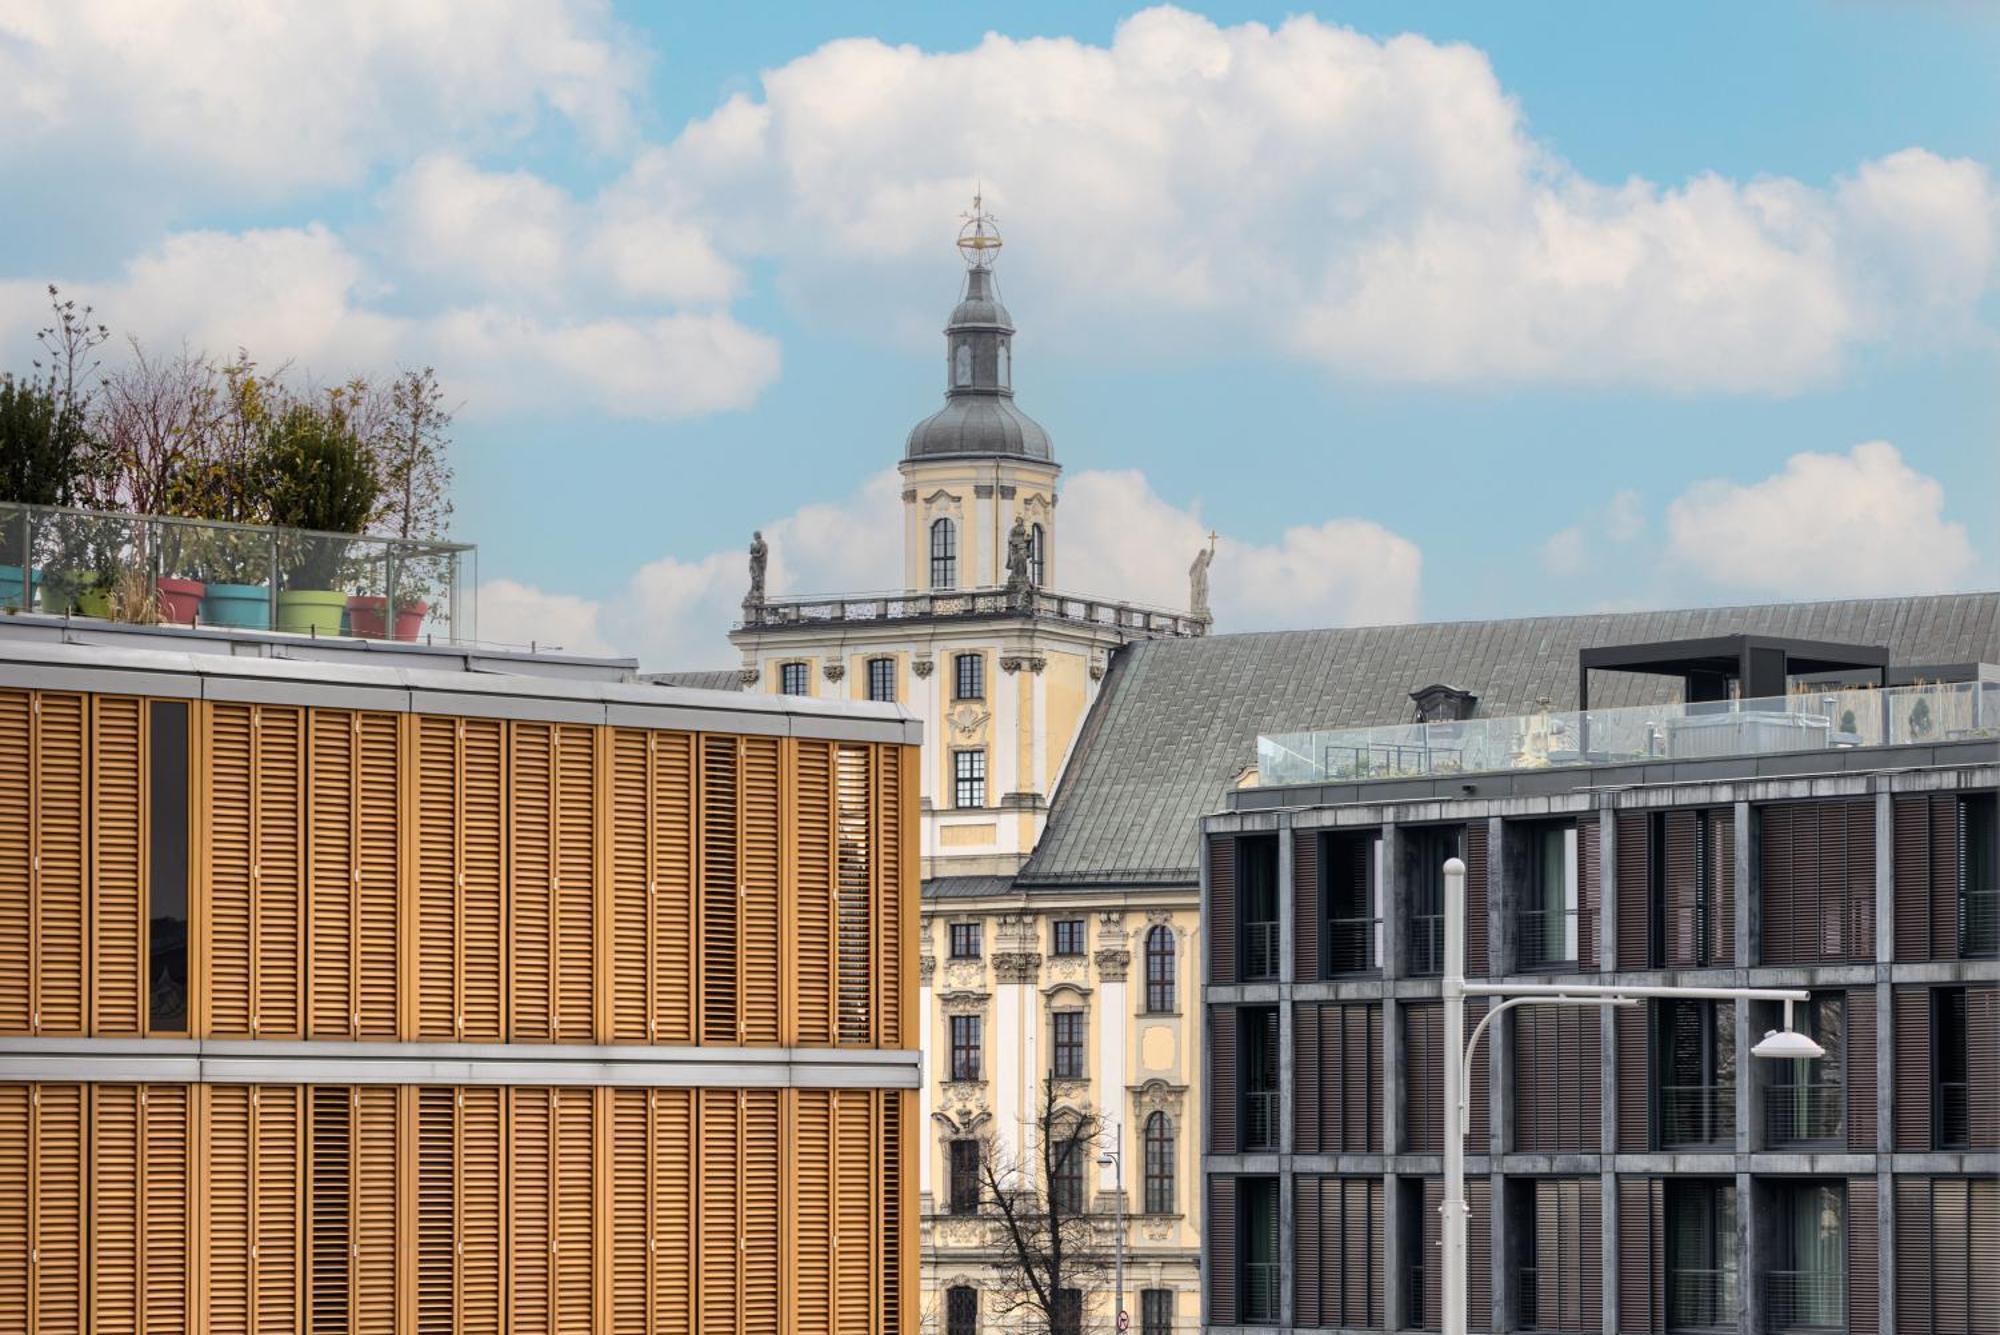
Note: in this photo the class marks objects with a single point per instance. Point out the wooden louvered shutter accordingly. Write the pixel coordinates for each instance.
(352, 842)
(812, 1207)
(1642, 1299)
(1681, 831)
(460, 820)
(1477, 961)
(228, 1196)
(435, 1297)
(627, 1248)
(1864, 1310)
(759, 961)
(1556, 1082)
(1982, 1034)
(573, 1194)
(1423, 1077)
(761, 1168)
(1982, 1241)
(1635, 899)
(1364, 1094)
(16, 1216)
(1222, 1268)
(1309, 1087)
(255, 917)
(1859, 1035)
(1947, 861)
(58, 865)
(1857, 873)
(252, 1162)
(855, 907)
(721, 858)
(1719, 834)
(1478, 1120)
(1635, 1107)
(574, 980)
(1222, 1087)
(631, 874)
(651, 845)
(672, 1202)
(532, 925)
(530, 1211)
(1910, 825)
(118, 910)
(1910, 1101)
(673, 916)
(893, 820)
(1306, 904)
(331, 1244)
(17, 904)
(813, 858)
(139, 1208)
(378, 1241)
(718, 1300)
(43, 1257)
(1478, 1255)
(854, 1236)
(1590, 891)
(480, 1210)
(1222, 911)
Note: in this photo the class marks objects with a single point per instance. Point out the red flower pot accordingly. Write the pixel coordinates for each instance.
(410, 619)
(368, 615)
(180, 599)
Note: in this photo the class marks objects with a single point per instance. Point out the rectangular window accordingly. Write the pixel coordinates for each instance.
(167, 867)
(1804, 1101)
(965, 1177)
(792, 679)
(1545, 930)
(1066, 1168)
(1067, 1029)
(882, 680)
(1260, 1077)
(1353, 903)
(1555, 1239)
(1701, 1255)
(1068, 1317)
(969, 677)
(1696, 1044)
(1952, 1045)
(965, 940)
(944, 554)
(1068, 937)
(1979, 878)
(966, 1047)
(1156, 1312)
(1806, 1286)
(1259, 1249)
(1257, 856)
(1427, 852)
(968, 779)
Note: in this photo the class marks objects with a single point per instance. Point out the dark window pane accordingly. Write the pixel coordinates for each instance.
(965, 940)
(1159, 1164)
(167, 869)
(1156, 1312)
(961, 1311)
(1068, 1026)
(1160, 969)
(966, 1047)
(970, 676)
(1258, 856)
(882, 680)
(944, 554)
(964, 1177)
(1068, 937)
(792, 679)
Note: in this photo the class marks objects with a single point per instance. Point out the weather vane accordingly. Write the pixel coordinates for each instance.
(979, 238)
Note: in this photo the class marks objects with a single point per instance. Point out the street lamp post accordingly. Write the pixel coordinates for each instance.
(1778, 1045)
(1114, 1158)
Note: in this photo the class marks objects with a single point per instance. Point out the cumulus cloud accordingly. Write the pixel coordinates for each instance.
(1118, 538)
(1859, 523)
(291, 94)
(1378, 207)
(1570, 551)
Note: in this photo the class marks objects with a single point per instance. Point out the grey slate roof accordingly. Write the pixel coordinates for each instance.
(719, 679)
(966, 887)
(1177, 720)
(978, 423)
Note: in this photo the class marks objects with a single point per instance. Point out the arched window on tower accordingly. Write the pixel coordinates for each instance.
(1037, 549)
(1006, 363)
(1160, 969)
(1159, 1164)
(961, 365)
(944, 554)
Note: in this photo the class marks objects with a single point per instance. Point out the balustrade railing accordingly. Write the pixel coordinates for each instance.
(1700, 1301)
(1424, 951)
(1804, 1300)
(1979, 923)
(1353, 945)
(1260, 1119)
(813, 609)
(1545, 938)
(1954, 1120)
(1260, 950)
(1260, 1292)
(1697, 1115)
(1803, 1112)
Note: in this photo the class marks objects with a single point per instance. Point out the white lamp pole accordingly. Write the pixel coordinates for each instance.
(1116, 1161)
(1778, 1045)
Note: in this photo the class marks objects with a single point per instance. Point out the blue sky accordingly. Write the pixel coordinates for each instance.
(1431, 310)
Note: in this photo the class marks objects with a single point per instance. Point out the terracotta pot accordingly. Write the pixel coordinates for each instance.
(368, 615)
(410, 619)
(180, 599)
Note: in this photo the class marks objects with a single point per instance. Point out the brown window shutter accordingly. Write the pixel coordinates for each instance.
(1306, 1080)
(759, 960)
(330, 1241)
(1306, 908)
(812, 1209)
(118, 910)
(1478, 1125)
(1946, 864)
(1982, 1035)
(1982, 1240)
(1641, 1257)
(1423, 1077)
(1479, 1254)
(1222, 1264)
(1911, 831)
(1720, 836)
(531, 830)
(1859, 1035)
(17, 826)
(1635, 919)
(629, 836)
(1555, 1084)
(629, 1208)
(1222, 911)
(1361, 1079)
(1477, 963)
(459, 806)
(856, 890)
(761, 1167)
(353, 829)
(896, 867)
(1635, 1109)
(1590, 891)
(814, 861)
(1223, 1086)
(59, 871)
(721, 852)
(1864, 1308)
(575, 896)
(1681, 830)
(1433, 1252)
(1911, 1099)
(1314, 1292)
(1914, 1245)
(1858, 873)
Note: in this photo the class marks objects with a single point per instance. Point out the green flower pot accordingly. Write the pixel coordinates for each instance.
(311, 611)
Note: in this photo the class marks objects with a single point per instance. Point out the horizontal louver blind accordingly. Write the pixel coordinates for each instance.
(1339, 1252)
(1477, 961)
(553, 853)
(1681, 833)
(352, 833)
(1817, 882)
(17, 903)
(1982, 1032)
(1222, 1087)
(256, 902)
(651, 845)
(1719, 838)
(1306, 907)
(1635, 890)
(1556, 1081)
(1946, 866)
(44, 856)
(813, 861)
(1642, 1245)
(1910, 1104)
(894, 821)
(1569, 1256)
(1860, 1076)
(759, 998)
(459, 812)
(1947, 1235)
(1864, 1310)
(1338, 1060)
(1590, 877)
(1222, 911)
(1635, 1108)
(118, 926)
(1222, 1269)
(857, 887)
(1478, 1254)
(721, 903)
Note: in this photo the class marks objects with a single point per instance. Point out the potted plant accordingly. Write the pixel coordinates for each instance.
(408, 447)
(323, 485)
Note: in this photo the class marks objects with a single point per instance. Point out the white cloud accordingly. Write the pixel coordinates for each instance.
(1117, 538)
(281, 95)
(1566, 552)
(1859, 523)
(1572, 551)
(1377, 207)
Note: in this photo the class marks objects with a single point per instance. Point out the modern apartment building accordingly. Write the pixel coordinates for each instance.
(357, 987)
(1754, 817)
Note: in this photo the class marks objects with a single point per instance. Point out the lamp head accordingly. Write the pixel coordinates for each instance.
(1787, 1045)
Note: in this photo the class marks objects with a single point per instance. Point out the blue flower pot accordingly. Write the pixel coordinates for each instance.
(243, 606)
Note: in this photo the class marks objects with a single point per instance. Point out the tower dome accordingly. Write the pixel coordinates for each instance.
(979, 416)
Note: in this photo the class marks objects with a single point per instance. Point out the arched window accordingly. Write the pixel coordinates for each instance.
(1037, 564)
(961, 368)
(1159, 1164)
(961, 1310)
(944, 554)
(1160, 969)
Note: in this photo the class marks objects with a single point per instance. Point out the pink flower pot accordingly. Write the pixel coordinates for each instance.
(368, 615)
(410, 619)
(180, 599)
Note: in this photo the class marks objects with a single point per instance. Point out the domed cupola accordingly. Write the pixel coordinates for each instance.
(979, 416)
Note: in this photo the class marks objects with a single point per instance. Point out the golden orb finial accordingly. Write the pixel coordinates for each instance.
(979, 238)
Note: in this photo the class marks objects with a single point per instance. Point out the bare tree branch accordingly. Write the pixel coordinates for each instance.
(1054, 1249)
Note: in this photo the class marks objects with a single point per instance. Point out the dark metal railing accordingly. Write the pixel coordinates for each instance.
(1544, 938)
(1260, 950)
(1697, 1115)
(1260, 1119)
(1700, 1301)
(1351, 945)
(1528, 1298)
(1954, 1124)
(1800, 1112)
(1425, 949)
(906, 605)
(1804, 1300)
(1416, 1317)
(1979, 923)
(1260, 1291)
